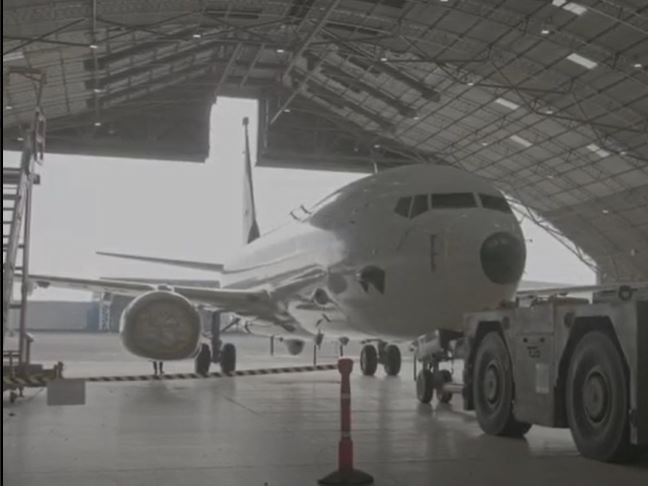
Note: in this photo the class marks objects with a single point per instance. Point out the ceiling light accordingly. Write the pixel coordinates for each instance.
(8, 107)
(637, 65)
(197, 35)
(549, 111)
(97, 124)
(20, 139)
(545, 31)
(605, 211)
(592, 147)
(507, 104)
(286, 110)
(522, 141)
(280, 50)
(582, 61)
(383, 59)
(376, 146)
(93, 46)
(98, 90)
(484, 144)
(416, 117)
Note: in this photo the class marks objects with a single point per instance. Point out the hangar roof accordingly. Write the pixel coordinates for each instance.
(548, 98)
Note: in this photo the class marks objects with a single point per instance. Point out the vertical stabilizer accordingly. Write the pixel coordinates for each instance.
(250, 225)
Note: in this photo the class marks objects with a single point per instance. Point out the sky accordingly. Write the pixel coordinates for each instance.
(191, 211)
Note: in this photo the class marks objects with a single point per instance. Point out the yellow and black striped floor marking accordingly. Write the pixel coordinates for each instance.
(38, 381)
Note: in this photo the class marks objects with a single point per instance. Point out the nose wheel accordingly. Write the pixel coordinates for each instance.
(431, 380)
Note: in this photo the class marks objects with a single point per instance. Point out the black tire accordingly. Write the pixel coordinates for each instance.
(203, 360)
(228, 358)
(597, 400)
(368, 360)
(392, 362)
(493, 389)
(424, 386)
(444, 376)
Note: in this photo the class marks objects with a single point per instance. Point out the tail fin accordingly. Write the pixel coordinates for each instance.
(250, 225)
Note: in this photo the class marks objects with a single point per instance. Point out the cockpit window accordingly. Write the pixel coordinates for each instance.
(495, 202)
(420, 205)
(402, 206)
(453, 200)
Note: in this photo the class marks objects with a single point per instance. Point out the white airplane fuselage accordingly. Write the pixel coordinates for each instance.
(386, 266)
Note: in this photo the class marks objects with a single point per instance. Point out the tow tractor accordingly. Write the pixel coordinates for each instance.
(556, 362)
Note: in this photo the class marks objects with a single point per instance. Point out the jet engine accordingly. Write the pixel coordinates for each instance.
(294, 346)
(161, 325)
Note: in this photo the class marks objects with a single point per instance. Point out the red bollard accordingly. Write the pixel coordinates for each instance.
(346, 474)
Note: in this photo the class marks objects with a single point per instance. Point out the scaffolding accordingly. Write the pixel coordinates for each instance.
(17, 185)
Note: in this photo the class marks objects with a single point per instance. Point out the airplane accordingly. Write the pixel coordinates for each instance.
(398, 256)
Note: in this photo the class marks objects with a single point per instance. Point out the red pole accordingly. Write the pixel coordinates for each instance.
(345, 473)
(345, 448)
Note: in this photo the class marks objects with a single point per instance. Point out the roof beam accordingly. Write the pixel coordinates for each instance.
(302, 49)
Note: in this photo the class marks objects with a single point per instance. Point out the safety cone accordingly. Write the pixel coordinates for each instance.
(345, 473)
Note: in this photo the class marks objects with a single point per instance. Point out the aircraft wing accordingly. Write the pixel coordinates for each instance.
(580, 289)
(209, 266)
(245, 302)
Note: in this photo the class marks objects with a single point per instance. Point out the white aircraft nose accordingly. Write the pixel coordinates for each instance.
(502, 258)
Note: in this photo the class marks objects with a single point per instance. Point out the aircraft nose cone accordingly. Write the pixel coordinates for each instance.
(502, 258)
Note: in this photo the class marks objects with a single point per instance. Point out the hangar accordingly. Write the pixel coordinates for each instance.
(546, 98)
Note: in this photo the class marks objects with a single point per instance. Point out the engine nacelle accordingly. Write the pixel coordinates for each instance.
(161, 326)
(294, 346)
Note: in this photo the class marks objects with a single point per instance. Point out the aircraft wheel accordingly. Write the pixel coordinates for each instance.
(392, 363)
(228, 358)
(597, 400)
(493, 389)
(203, 360)
(368, 360)
(425, 386)
(443, 377)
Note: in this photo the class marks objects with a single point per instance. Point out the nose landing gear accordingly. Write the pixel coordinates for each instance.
(431, 380)
(431, 351)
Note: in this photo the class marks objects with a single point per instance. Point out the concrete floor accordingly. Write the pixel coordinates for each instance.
(278, 430)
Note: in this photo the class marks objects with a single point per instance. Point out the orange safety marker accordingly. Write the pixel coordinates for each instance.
(345, 473)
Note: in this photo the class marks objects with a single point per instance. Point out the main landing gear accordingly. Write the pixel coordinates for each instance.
(225, 354)
(388, 355)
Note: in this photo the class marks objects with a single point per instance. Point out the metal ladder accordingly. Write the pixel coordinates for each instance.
(17, 183)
